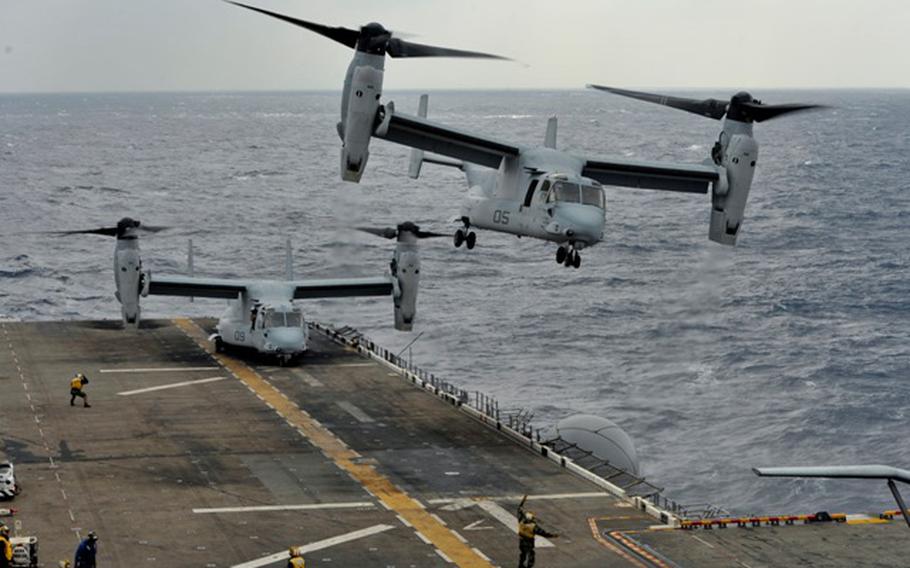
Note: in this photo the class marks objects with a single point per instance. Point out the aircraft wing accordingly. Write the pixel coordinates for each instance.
(687, 178)
(342, 287)
(198, 287)
(422, 134)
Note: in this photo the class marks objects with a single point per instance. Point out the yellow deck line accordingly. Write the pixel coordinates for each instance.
(379, 485)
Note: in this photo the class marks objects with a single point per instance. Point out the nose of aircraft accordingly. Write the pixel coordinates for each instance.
(286, 339)
(585, 221)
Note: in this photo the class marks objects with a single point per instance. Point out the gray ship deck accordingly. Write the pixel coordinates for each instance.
(189, 460)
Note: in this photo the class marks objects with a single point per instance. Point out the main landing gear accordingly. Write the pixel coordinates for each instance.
(466, 236)
(568, 256)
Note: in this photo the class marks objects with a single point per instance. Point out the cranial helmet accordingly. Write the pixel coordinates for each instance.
(4, 530)
(293, 552)
(529, 516)
(92, 535)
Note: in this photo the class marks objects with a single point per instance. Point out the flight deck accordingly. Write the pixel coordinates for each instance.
(191, 458)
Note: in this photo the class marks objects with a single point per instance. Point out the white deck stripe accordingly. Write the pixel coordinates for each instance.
(351, 505)
(509, 520)
(171, 386)
(517, 498)
(355, 411)
(308, 378)
(318, 545)
(159, 370)
(356, 365)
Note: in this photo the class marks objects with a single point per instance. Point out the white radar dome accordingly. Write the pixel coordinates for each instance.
(601, 437)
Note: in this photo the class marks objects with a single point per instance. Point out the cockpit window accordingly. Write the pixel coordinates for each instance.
(294, 319)
(274, 319)
(566, 192)
(591, 195)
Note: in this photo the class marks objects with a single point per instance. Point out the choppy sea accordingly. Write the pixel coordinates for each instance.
(792, 348)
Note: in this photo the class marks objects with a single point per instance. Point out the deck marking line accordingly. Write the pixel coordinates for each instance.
(704, 542)
(314, 546)
(355, 411)
(345, 458)
(304, 507)
(171, 386)
(517, 498)
(482, 555)
(595, 532)
(634, 546)
(475, 526)
(308, 378)
(496, 511)
(158, 370)
(443, 555)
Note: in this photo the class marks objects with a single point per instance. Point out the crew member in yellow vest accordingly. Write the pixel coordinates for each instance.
(528, 528)
(296, 559)
(6, 549)
(77, 384)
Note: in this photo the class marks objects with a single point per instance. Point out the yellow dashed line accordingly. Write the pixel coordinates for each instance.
(387, 492)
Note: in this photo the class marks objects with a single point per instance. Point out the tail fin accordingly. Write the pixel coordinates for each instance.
(549, 140)
(288, 260)
(417, 155)
(189, 263)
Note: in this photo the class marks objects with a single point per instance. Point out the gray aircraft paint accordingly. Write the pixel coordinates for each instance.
(269, 299)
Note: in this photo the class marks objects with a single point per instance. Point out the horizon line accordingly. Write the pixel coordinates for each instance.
(431, 90)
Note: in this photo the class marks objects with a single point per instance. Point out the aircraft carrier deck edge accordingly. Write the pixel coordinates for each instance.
(190, 458)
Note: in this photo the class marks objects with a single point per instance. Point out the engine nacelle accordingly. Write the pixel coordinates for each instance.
(362, 106)
(729, 197)
(406, 270)
(130, 280)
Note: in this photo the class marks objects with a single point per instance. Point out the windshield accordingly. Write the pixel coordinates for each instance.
(566, 191)
(591, 195)
(274, 319)
(294, 319)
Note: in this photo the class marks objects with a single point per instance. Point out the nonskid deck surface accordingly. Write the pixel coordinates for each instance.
(189, 460)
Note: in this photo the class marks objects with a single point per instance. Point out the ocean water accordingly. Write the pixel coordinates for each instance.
(791, 348)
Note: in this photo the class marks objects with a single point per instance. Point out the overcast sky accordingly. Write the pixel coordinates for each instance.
(162, 45)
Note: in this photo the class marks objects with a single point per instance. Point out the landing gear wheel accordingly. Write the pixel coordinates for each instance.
(576, 261)
(219, 345)
(561, 253)
(470, 240)
(459, 238)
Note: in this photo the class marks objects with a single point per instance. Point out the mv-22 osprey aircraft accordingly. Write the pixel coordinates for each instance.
(539, 192)
(261, 314)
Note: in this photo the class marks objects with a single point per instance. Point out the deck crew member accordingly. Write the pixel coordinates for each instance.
(6, 549)
(86, 552)
(527, 530)
(77, 384)
(254, 311)
(296, 559)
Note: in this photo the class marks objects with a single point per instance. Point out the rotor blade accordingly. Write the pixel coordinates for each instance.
(760, 112)
(712, 108)
(401, 48)
(343, 36)
(429, 234)
(152, 228)
(106, 231)
(386, 233)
